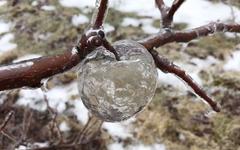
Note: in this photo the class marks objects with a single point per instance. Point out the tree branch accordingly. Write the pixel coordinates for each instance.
(169, 36)
(167, 13)
(101, 12)
(175, 6)
(168, 67)
(161, 5)
(30, 73)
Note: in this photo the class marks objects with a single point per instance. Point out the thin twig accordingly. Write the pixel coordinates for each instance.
(168, 36)
(168, 67)
(100, 14)
(54, 115)
(161, 5)
(4, 124)
(109, 47)
(6, 120)
(175, 6)
(167, 13)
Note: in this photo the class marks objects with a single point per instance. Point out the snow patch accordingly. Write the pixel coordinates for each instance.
(3, 2)
(131, 22)
(108, 28)
(80, 111)
(119, 146)
(147, 26)
(64, 127)
(4, 26)
(32, 98)
(233, 63)
(204, 11)
(48, 8)
(77, 3)
(119, 129)
(79, 19)
(5, 42)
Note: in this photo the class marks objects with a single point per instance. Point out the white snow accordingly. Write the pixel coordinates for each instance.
(4, 26)
(35, 3)
(119, 146)
(32, 98)
(108, 28)
(131, 22)
(48, 8)
(147, 26)
(32, 146)
(3, 2)
(147, 147)
(233, 63)
(79, 19)
(57, 98)
(77, 3)
(21, 147)
(64, 127)
(5, 42)
(80, 111)
(117, 130)
(116, 146)
(204, 11)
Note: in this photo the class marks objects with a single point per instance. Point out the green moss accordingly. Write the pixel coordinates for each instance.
(217, 46)
(230, 80)
(44, 32)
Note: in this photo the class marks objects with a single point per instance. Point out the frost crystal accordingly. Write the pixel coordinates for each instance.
(116, 90)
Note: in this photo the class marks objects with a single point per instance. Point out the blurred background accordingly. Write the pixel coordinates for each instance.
(175, 119)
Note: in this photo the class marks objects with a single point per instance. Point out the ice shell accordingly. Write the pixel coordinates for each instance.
(116, 90)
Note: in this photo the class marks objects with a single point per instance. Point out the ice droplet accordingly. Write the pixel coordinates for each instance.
(116, 90)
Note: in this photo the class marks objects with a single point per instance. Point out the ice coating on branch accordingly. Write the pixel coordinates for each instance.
(116, 90)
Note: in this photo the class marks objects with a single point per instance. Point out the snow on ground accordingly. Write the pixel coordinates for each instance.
(6, 42)
(6, 37)
(64, 127)
(4, 26)
(193, 69)
(108, 28)
(79, 19)
(119, 146)
(48, 8)
(3, 2)
(118, 129)
(58, 97)
(233, 63)
(80, 111)
(200, 15)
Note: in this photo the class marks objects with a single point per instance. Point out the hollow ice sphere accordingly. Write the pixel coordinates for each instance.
(116, 90)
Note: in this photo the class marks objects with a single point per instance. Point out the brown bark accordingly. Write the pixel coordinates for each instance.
(169, 36)
(30, 73)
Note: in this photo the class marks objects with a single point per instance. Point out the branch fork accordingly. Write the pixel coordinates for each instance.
(167, 13)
